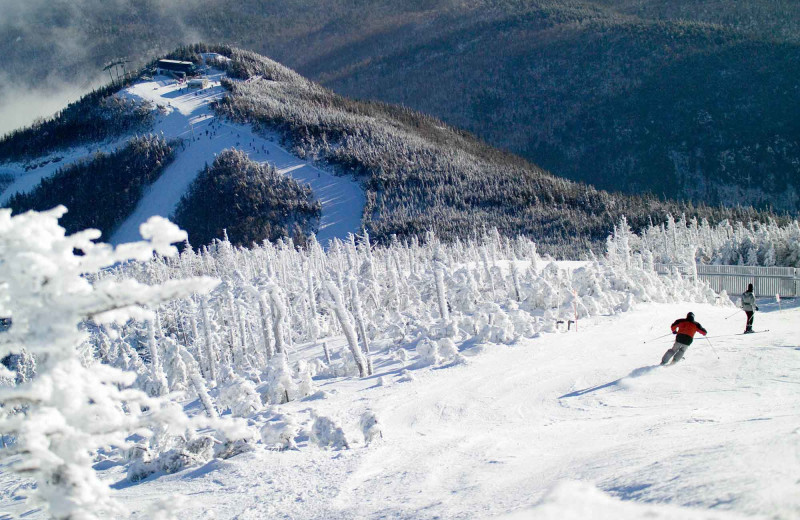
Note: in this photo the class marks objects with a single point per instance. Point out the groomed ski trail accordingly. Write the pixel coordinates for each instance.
(189, 117)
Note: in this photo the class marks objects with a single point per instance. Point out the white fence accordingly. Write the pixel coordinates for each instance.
(767, 281)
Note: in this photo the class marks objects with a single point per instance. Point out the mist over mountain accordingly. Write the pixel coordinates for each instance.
(685, 99)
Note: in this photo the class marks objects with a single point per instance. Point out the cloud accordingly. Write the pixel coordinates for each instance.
(53, 50)
(19, 107)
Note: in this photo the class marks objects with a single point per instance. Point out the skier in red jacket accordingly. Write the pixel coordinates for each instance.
(685, 328)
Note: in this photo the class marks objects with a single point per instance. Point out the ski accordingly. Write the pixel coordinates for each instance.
(754, 332)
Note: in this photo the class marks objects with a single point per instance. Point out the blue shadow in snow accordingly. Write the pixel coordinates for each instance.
(106, 464)
(795, 347)
(203, 470)
(125, 483)
(636, 373)
(632, 492)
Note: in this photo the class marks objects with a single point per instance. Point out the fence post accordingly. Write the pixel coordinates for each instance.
(796, 282)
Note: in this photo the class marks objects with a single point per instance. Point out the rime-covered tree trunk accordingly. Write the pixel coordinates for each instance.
(278, 315)
(197, 382)
(347, 328)
(242, 347)
(232, 326)
(362, 328)
(441, 297)
(515, 281)
(196, 340)
(208, 341)
(266, 326)
(326, 352)
(312, 304)
(160, 386)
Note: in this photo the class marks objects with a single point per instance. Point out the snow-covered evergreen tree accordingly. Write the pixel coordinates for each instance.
(70, 409)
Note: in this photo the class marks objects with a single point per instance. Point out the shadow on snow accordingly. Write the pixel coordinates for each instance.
(639, 372)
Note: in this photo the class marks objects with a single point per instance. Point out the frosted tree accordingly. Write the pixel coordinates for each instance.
(71, 410)
(238, 395)
(360, 322)
(441, 297)
(208, 340)
(279, 386)
(159, 384)
(175, 368)
(198, 383)
(278, 316)
(346, 322)
(313, 326)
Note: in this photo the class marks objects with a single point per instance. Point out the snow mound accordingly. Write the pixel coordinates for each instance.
(325, 433)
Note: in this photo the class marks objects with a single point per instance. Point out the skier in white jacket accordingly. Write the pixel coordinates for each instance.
(749, 307)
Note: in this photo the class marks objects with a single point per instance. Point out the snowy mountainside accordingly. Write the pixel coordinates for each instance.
(188, 115)
(184, 114)
(685, 98)
(381, 167)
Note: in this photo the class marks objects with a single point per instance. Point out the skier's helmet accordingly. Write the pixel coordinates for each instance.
(749, 287)
(690, 316)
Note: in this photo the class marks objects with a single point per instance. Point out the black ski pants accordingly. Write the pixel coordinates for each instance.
(750, 315)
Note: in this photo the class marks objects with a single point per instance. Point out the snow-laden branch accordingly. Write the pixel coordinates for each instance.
(69, 410)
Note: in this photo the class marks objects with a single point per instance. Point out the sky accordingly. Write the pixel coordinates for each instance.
(51, 48)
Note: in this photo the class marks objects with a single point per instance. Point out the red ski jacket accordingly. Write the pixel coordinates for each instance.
(686, 330)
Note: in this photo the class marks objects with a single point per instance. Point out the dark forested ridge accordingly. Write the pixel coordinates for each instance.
(101, 192)
(418, 174)
(249, 201)
(678, 109)
(688, 98)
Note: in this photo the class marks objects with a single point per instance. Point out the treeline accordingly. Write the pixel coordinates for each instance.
(97, 116)
(780, 19)
(102, 191)
(248, 201)
(242, 65)
(765, 244)
(420, 175)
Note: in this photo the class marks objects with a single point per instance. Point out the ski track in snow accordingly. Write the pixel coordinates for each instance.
(186, 115)
(715, 436)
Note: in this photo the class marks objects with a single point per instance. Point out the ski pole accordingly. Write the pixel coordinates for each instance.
(653, 339)
(734, 314)
(712, 347)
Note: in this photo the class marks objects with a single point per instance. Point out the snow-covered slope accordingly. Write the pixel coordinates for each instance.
(25, 179)
(464, 396)
(185, 113)
(717, 433)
